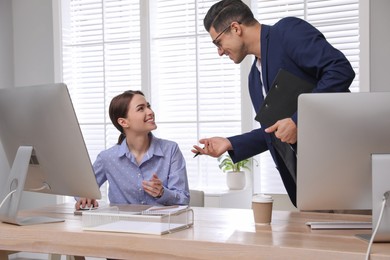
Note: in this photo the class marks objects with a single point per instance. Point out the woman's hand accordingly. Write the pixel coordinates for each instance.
(154, 186)
(84, 203)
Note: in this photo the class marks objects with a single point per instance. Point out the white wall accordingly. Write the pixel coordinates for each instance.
(33, 42)
(379, 45)
(6, 60)
(33, 60)
(374, 47)
(26, 58)
(6, 44)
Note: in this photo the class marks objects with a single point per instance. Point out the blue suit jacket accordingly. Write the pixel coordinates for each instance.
(298, 47)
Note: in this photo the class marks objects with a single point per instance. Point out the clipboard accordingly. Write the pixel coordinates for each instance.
(282, 99)
(282, 102)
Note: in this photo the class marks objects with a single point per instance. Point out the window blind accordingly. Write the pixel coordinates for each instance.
(101, 58)
(193, 92)
(338, 20)
(161, 48)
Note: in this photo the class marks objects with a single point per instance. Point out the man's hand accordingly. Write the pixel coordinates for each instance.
(214, 146)
(285, 130)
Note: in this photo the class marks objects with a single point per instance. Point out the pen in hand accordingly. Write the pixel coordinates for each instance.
(197, 153)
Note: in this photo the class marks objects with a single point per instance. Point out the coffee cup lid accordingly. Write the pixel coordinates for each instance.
(262, 198)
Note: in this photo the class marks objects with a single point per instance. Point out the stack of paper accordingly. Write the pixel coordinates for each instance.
(164, 210)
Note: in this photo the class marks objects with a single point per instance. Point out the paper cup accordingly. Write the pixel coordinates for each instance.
(262, 209)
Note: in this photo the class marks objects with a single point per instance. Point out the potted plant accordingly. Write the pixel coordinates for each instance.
(235, 178)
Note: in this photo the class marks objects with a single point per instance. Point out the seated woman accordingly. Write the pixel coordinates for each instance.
(140, 168)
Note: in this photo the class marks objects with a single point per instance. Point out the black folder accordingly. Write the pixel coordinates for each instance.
(282, 99)
(282, 102)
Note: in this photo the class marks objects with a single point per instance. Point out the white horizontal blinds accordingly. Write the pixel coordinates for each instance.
(122, 54)
(219, 90)
(173, 64)
(271, 11)
(195, 93)
(219, 99)
(173, 60)
(268, 180)
(338, 21)
(101, 58)
(84, 68)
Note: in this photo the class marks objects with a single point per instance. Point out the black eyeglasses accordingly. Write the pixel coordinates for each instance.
(219, 35)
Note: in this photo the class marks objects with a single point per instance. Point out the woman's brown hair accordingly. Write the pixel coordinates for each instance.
(118, 109)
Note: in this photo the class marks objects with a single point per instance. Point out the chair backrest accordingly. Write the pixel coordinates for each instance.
(196, 198)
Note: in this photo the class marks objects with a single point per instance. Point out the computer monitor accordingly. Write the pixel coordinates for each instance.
(337, 135)
(44, 147)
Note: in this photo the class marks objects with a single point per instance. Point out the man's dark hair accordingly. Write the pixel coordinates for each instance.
(221, 14)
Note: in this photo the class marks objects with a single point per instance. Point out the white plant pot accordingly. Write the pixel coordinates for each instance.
(236, 180)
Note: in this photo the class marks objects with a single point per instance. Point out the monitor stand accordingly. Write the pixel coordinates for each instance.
(380, 169)
(365, 237)
(11, 191)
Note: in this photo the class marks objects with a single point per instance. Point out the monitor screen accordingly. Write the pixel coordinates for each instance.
(43, 145)
(337, 134)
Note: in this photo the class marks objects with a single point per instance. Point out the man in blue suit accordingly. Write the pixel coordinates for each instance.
(291, 44)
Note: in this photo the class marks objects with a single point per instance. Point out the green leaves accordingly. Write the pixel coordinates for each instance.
(226, 164)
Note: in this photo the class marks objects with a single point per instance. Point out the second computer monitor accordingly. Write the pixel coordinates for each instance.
(337, 133)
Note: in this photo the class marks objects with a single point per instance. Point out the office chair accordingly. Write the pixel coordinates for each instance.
(196, 198)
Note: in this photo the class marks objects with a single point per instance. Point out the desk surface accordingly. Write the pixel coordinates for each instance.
(218, 233)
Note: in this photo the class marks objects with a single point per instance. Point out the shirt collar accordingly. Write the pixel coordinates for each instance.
(154, 149)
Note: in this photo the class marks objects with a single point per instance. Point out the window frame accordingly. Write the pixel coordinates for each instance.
(247, 113)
